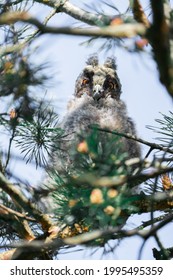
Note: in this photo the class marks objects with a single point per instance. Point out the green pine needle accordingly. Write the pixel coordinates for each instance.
(36, 139)
(165, 129)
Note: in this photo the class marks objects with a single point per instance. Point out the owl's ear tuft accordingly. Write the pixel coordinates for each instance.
(111, 63)
(93, 60)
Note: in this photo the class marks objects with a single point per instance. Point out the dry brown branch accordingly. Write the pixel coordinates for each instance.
(113, 232)
(39, 247)
(35, 248)
(17, 221)
(139, 14)
(116, 233)
(156, 202)
(159, 38)
(7, 255)
(24, 203)
(7, 211)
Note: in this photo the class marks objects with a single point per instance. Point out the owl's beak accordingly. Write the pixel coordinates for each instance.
(97, 92)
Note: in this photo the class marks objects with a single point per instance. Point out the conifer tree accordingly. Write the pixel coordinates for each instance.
(93, 201)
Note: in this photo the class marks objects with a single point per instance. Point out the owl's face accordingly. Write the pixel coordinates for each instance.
(99, 81)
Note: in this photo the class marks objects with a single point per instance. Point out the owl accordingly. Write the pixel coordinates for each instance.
(97, 101)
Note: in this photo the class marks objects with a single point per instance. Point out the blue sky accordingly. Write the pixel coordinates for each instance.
(141, 90)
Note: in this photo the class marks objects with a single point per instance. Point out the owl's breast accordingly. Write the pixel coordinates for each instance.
(84, 111)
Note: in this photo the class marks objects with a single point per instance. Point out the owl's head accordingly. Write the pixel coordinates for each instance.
(99, 81)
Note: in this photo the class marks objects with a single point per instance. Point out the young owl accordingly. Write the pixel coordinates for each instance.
(96, 101)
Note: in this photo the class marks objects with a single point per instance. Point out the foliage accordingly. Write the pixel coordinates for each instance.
(92, 201)
(38, 137)
(78, 196)
(165, 129)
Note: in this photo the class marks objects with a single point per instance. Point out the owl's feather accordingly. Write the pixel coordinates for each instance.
(99, 81)
(97, 101)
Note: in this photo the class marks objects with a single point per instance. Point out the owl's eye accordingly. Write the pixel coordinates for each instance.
(111, 85)
(85, 81)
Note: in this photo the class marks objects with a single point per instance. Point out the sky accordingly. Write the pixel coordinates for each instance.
(142, 92)
(145, 98)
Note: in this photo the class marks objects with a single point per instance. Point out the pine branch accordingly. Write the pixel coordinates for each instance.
(25, 203)
(14, 48)
(159, 201)
(119, 180)
(144, 203)
(120, 31)
(152, 145)
(7, 211)
(37, 248)
(68, 8)
(20, 224)
(116, 232)
(25, 250)
(7, 255)
(160, 255)
(17, 222)
(22, 45)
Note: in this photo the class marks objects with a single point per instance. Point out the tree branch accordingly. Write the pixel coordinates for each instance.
(159, 37)
(120, 31)
(7, 255)
(7, 211)
(117, 233)
(68, 8)
(152, 145)
(25, 203)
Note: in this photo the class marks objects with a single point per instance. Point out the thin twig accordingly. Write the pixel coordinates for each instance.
(15, 213)
(9, 147)
(19, 46)
(131, 137)
(25, 203)
(17, 222)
